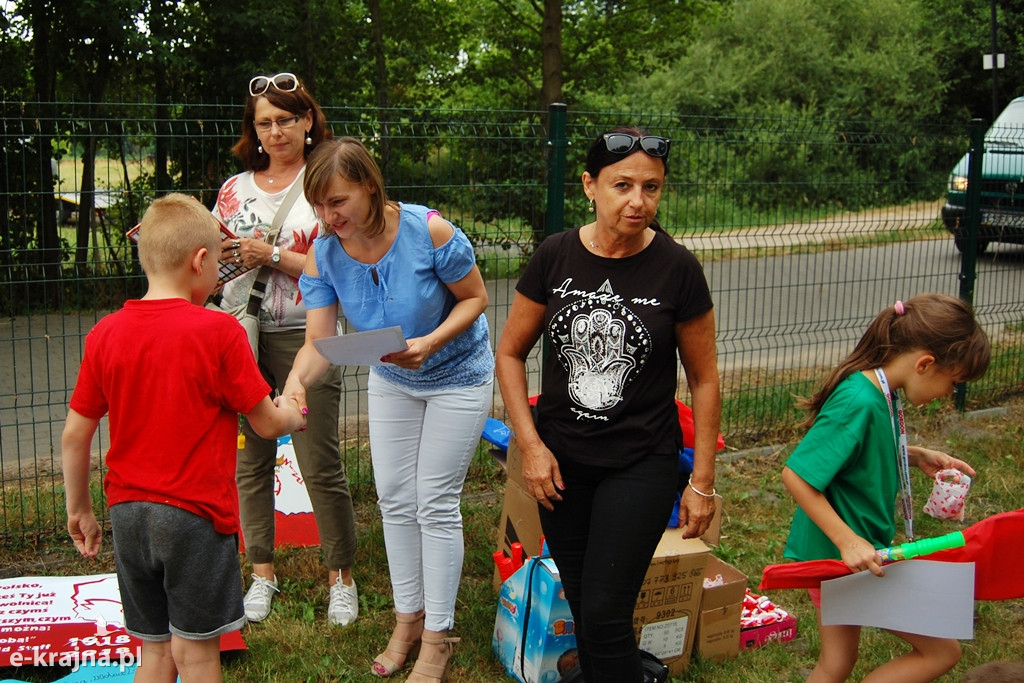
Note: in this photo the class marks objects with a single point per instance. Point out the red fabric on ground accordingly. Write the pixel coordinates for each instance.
(995, 545)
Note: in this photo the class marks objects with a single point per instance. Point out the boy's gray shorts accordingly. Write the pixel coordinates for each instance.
(176, 574)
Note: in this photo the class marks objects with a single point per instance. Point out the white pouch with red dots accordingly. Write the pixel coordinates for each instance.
(948, 495)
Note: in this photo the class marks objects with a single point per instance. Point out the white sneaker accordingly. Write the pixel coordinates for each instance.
(258, 598)
(344, 606)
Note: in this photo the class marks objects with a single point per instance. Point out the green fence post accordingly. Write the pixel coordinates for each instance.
(558, 145)
(972, 222)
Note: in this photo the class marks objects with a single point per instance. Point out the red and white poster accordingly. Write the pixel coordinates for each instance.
(294, 523)
(76, 622)
(71, 622)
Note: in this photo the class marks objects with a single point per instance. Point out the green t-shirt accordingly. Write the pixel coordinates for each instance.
(849, 454)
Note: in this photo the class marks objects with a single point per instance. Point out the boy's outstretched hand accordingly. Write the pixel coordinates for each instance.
(295, 414)
(85, 532)
(273, 418)
(75, 457)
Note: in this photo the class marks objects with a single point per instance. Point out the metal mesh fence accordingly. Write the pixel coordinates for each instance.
(806, 230)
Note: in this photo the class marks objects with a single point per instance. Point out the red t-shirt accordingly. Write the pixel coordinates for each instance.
(173, 377)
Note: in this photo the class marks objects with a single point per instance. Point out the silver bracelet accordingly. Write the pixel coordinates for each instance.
(689, 483)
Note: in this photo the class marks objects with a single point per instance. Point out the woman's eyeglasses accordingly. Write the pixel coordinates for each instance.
(625, 143)
(283, 123)
(285, 82)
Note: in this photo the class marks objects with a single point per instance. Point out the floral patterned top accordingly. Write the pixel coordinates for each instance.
(248, 211)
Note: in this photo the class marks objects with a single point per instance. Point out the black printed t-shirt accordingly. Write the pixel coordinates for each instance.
(608, 389)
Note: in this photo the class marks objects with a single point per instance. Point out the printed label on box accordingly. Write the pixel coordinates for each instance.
(665, 639)
(721, 636)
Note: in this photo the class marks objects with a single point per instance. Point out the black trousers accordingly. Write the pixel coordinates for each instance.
(602, 536)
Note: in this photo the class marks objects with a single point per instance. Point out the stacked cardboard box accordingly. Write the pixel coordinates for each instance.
(665, 618)
(718, 627)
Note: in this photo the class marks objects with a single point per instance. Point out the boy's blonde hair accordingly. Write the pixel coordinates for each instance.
(173, 227)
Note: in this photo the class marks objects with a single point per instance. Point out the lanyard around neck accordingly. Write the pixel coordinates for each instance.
(899, 435)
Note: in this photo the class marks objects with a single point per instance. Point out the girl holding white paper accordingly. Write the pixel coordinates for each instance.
(854, 462)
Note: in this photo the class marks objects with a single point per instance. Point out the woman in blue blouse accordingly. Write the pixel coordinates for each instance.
(387, 263)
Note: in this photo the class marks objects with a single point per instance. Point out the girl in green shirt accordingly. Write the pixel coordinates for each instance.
(854, 462)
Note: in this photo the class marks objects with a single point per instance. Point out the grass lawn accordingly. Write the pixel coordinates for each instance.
(108, 172)
(297, 644)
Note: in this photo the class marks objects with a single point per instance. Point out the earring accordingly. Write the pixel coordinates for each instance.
(590, 207)
(309, 140)
(260, 149)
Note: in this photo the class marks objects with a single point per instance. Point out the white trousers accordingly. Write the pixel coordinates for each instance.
(421, 445)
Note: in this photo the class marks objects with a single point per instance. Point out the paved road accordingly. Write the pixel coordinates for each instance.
(773, 312)
(804, 309)
(812, 308)
(846, 227)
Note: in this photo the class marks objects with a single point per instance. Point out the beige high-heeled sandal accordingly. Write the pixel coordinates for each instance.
(385, 665)
(428, 672)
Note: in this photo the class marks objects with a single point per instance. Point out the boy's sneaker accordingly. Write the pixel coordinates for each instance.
(344, 605)
(258, 598)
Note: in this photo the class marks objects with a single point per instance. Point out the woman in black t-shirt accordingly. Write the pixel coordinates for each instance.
(620, 301)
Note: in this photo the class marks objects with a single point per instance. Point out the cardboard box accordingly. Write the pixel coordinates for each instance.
(520, 521)
(665, 617)
(534, 632)
(514, 462)
(718, 626)
(778, 632)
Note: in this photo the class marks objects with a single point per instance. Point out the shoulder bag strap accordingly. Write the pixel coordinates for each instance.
(259, 286)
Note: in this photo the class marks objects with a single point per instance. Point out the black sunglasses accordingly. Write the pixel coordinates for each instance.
(625, 143)
(285, 82)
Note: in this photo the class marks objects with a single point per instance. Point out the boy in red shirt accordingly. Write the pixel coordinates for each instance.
(173, 377)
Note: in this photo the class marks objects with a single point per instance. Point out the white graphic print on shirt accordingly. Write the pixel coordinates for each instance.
(600, 343)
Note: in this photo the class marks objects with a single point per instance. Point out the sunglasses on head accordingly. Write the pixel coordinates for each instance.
(625, 143)
(285, 82)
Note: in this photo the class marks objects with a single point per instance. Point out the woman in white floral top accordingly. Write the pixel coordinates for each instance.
(281, 124)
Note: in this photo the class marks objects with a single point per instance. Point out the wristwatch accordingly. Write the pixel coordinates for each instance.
(275, 256)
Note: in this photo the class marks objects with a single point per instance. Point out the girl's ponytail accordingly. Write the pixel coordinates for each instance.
(941, 325)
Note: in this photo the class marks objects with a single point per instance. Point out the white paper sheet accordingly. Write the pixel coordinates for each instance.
(361, 348)
(915, 596)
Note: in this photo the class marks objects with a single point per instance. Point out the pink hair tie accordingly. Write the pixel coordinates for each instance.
(900, 308)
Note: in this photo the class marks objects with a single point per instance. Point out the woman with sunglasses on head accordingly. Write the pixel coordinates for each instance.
(619, 301)
(281, 125)
(386, 263)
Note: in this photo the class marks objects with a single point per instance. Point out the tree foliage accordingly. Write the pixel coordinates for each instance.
(905, 59)
(822, 61)
(850, 59)
(603, 45)
(965, 33)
